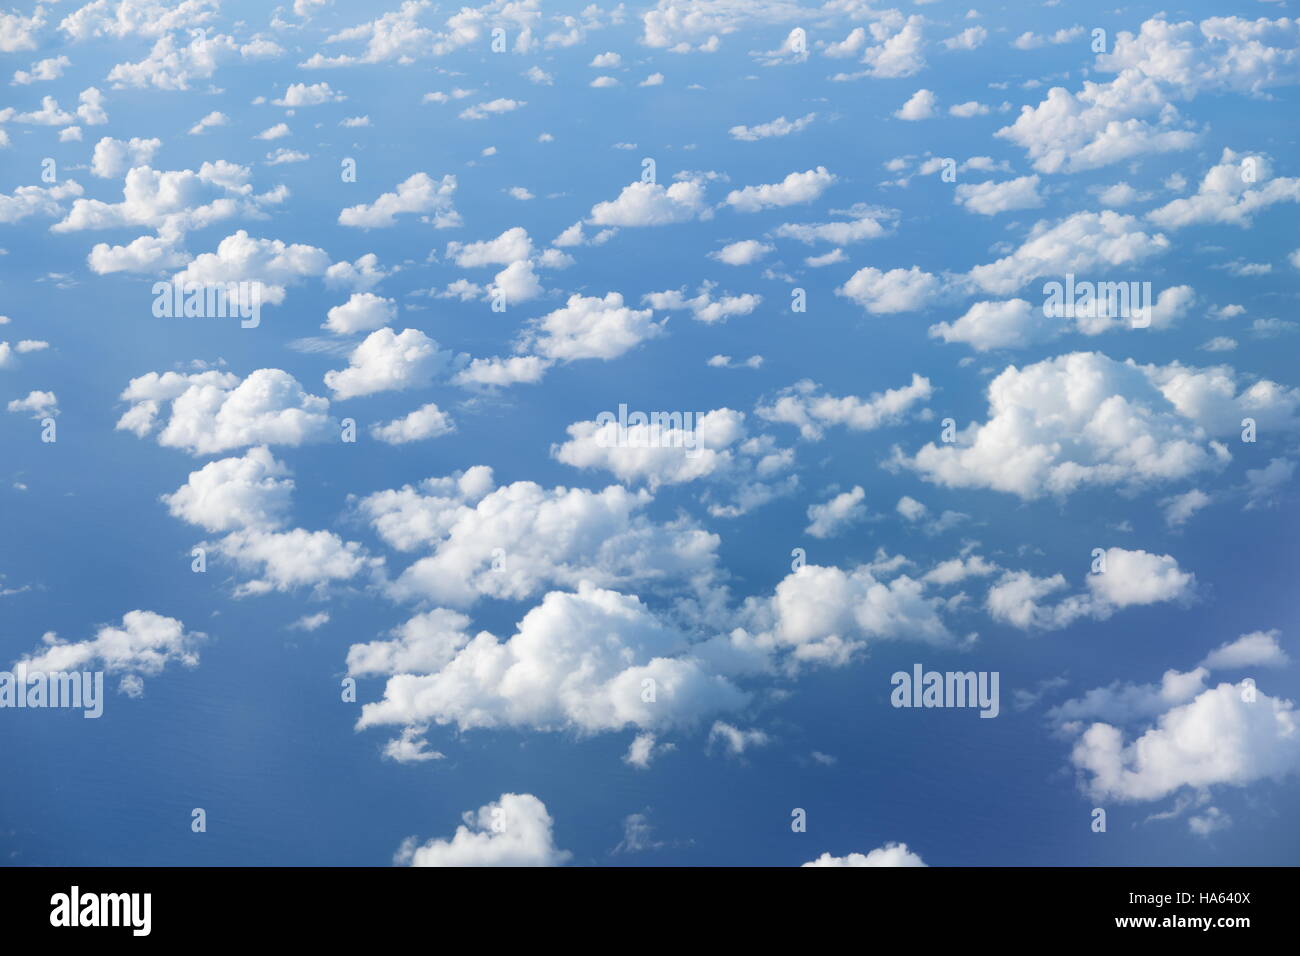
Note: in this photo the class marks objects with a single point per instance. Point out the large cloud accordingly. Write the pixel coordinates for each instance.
(1085, 419)
(215, 411)
(515, 830)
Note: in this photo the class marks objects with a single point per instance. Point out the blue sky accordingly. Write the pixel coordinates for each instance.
(568, 648)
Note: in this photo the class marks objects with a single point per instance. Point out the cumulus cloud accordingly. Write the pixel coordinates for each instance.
(801, 405)
(794, 189)
(891, 854)
(389, 361)
(1084, 419)
(1130, 578)
(513, 541)
(212, 411)
(515, 830)
(418, 194)
(142, 645)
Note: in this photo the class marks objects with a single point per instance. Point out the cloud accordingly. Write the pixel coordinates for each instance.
(802, 406)
(1084, 419)
(1256, 649)
(512, 542)
(743, 253)
(829, 519)
(427, 421)
(919, 106)
(990, 198)
(794, 189)
(578, 661)
(418, 193)
(144, 644)
(515, 830)
(1131, 578)
(363, 312)
(776, 128)
(1231, 193)
(113, 157)
(657, 454)
(898, 290)
(651, 204)
(254, 491)
(215, 411)
(891, 854)
(587, 327)
(1077, 244)
(389, 361)
(1229, 735)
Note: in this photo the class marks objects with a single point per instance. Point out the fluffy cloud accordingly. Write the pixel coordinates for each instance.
(794, 189)
(363, 312)
(577, 661)
(513, 831)
(898, 290)
(812, 413)
(1257, 649)
(144, 644)
(1131, 578)
(829, 519)
(1085, 419)
(991, 198)
(1231, 192)
(249, 492)
(417, 194)
(513, 541)
(672, 453)
(215, 411)
(588, 327)
(427, 421)
(1079, 243)
(389, 361)
(891, 854)
(652, 204)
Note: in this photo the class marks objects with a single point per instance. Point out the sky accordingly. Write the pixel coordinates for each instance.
(378, 564)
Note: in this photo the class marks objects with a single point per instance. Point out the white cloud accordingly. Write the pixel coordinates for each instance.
(427, 421)
(891, 854)
(829, 519)
(214, 411)
(514, 541)
(1257, 649)
(776, 128)
(1231, 193)
(1081, 242)
(588, 327)
(743, 253)
(363, 312)
(249, 492)
(651, 204)
(389, 361)
(144, 644)
(898, 290)
(919, 106)
(515, 830)
(794, 189)
(1085, 419)
(802, 406)
(578, 661)
(113, 157)
(418, 193)
(990, 198)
